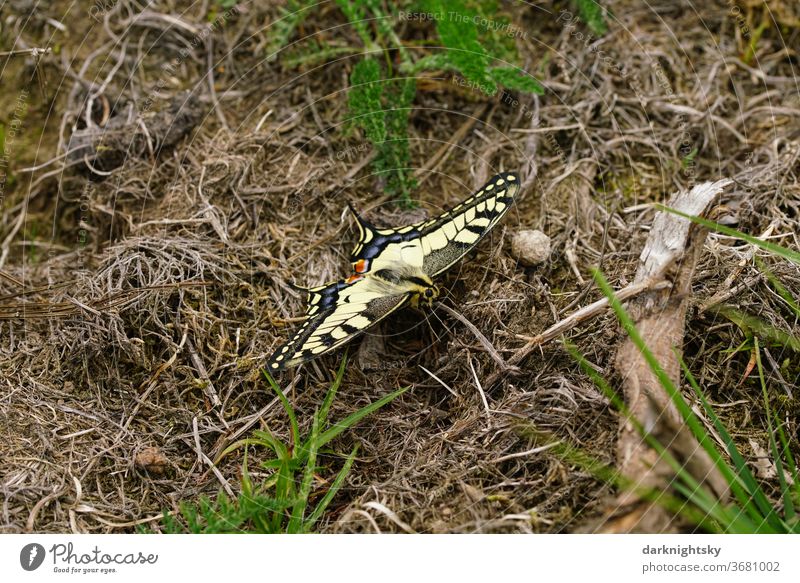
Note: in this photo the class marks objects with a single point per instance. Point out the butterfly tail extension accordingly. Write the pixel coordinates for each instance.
(367, 232)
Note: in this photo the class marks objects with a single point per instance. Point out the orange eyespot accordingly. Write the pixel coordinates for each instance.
(361, 266)
(353, 278)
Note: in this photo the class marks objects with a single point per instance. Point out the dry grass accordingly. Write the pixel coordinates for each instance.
(156, 336)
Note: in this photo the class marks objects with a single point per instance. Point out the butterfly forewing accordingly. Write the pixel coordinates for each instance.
(447, 238)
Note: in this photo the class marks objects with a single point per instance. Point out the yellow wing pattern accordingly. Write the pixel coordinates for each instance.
(438, 243)
(392, 266)
(337, 313)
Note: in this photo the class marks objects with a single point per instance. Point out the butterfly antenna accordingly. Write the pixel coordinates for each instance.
(438, 319)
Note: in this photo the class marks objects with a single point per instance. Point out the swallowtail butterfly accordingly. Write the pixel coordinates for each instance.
(393, 267)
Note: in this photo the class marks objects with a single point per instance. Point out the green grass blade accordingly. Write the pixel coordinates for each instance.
(602, 471)
(758, 327)
(236, 445)
(598, 379)
(262, 439)
(691, 420)
(788, 505)
(699, 496)
(284, 493)
(266, 439)
(247, 483)
(286, 407)
(728, 519)
(790, 463)
(337, 382)
(354, 418)
(296, 524)
(329, 495)
(743, 484)
(778, 250)
(738, 485)
(779, 287)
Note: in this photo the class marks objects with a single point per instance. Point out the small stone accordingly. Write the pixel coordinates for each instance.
(530, 247)
(152, 460)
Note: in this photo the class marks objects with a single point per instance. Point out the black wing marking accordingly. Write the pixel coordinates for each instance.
(447, 238)
(470, 216)
(443, 240)
(337, 313)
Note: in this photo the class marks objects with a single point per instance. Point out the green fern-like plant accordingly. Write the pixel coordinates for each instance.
(516, 79)
(382, 84)
(464, 53)
(280, 31)
(364, 99)
(381, 108)
(395, 153)
(592, 12)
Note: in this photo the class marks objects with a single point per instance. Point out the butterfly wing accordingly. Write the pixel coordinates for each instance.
(450, 236)
(337, 312)
(438, 243)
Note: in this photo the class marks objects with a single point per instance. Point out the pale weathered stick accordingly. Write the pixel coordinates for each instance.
(588, 312)
(575, 318)
(672, 249)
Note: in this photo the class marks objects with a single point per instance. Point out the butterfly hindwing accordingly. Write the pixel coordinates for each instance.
(337, 313)
(438, 243)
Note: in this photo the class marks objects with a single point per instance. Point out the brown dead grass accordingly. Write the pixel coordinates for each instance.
(152, 346)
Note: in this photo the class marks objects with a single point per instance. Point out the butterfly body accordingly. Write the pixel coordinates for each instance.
(393, 267)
